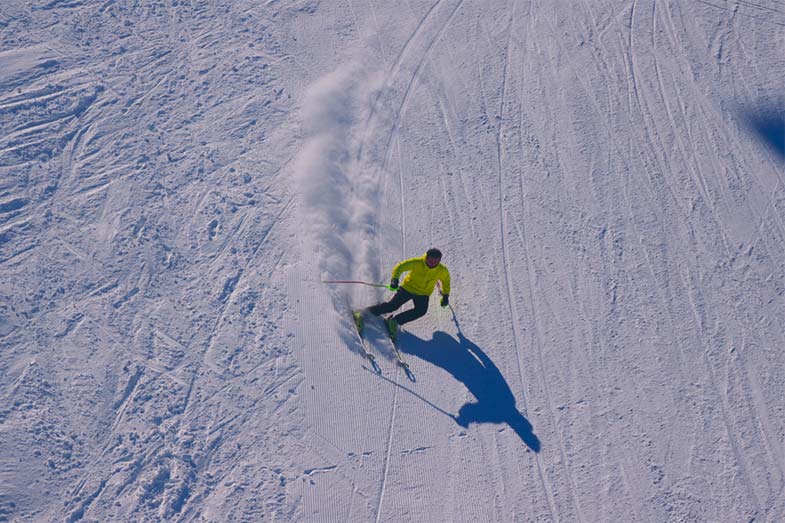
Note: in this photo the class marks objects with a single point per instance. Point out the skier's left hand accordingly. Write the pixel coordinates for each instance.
(445, 300)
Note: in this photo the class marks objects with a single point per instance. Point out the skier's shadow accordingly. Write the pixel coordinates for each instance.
(767, 123)
(467, 363)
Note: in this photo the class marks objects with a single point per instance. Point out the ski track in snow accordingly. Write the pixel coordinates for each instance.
(604, 179)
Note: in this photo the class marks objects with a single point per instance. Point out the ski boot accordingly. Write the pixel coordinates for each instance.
(358, 321)
(392, 328)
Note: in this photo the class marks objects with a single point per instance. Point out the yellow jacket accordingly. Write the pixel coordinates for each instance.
(421, 278)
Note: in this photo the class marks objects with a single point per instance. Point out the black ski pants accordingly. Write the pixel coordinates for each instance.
(401, 297)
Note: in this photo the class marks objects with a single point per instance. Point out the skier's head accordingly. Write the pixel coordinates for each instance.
(433, 257)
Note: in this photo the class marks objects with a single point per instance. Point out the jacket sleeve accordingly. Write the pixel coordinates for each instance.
(445, 279)
(404, 266)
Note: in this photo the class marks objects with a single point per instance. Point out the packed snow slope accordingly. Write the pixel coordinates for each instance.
(606, 181)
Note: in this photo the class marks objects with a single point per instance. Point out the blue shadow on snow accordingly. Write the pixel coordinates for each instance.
(767, 123)
(467, 363)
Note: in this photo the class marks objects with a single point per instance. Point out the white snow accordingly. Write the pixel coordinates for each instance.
(606, 181)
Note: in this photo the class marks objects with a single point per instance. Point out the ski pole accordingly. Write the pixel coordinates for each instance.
(361, 282)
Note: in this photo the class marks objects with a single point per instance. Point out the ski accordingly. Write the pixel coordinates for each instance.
(393, 335)
(405, 366)
(368, 354)
(359, 324)
(398, 356)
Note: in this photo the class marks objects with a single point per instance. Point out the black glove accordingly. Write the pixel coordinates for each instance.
(394, 284)
(445, 300)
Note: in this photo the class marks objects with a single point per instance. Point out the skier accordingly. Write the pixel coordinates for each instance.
(423, 272)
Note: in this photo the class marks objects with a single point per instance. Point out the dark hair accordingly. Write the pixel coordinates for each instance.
(434, 253)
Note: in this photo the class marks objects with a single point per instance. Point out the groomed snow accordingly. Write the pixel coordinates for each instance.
(606, 181)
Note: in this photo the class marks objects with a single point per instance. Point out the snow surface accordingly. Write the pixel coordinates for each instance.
(605, 178)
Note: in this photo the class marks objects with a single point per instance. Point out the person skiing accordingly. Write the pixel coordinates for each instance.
(422, 274)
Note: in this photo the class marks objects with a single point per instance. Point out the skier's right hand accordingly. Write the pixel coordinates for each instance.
(394, 284)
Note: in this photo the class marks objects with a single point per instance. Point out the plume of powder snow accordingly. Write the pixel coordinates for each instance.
(338, 196)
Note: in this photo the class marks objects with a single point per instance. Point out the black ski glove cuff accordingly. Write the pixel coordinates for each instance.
(394, 284)
(445, 300)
